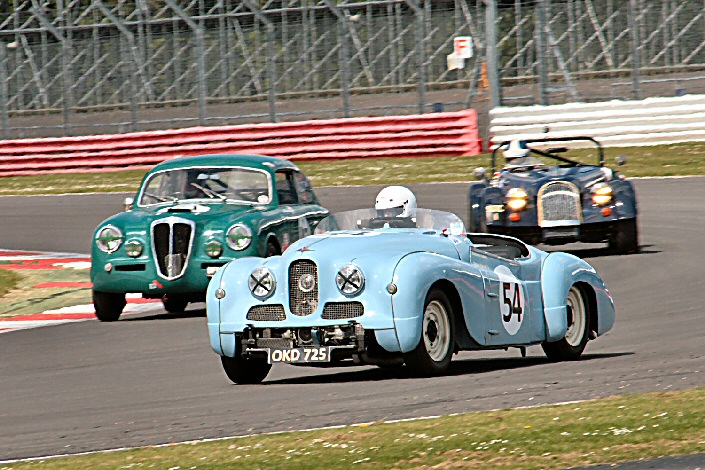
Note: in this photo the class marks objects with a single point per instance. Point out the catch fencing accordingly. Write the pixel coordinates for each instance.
(434, 134)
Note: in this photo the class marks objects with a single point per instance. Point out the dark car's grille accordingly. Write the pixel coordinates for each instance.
(302, 302)
(559, 203)
(266, 313)
(172, 239)
(342, 310)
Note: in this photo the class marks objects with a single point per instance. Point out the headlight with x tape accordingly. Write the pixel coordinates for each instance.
(350, 280)
(262, 283)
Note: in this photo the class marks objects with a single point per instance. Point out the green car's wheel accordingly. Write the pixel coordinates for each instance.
(174, 303)
(244, 371)
(573, 344)
(108, 305)
(435, 349)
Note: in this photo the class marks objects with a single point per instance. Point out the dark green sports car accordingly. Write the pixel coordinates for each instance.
(192, 215)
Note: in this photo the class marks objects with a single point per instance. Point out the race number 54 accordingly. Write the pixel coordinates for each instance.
(511, 295)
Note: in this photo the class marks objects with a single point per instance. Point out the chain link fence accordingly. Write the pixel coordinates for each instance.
(71, 67)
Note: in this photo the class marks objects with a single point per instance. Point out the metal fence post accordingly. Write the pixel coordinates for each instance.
(132, 72)
(4, 91)
(540, 35)
(200, 59)
(66, 55)
(492, 54)
(271, 65)
(343, 65)
(636, 60)
(420, 53)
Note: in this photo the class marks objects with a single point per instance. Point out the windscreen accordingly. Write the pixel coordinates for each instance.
(370, 219)
(207, 184)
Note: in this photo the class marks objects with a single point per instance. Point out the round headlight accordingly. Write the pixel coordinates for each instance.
(350, 280)
(133, 248)
(214, 248)
(261, 283)
(238, 237)
(109, 239)
(602, 194)
(516, 199)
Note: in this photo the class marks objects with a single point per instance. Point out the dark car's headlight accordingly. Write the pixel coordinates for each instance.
(350, 280)
(602, 194)
(109, 239)
(517, 199)
(262, 283)
(238, 237)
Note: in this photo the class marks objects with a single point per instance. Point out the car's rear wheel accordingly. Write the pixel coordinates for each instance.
(174, 303)
(626, 237)
(241, 370)
(573, 344)
(108, 305)
(433, 353)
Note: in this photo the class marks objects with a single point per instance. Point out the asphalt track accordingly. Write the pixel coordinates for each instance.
(153, 379)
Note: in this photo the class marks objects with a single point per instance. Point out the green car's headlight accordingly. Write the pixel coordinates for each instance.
(214, 249)
(262, 283)
(133, 248)
(109, 239)
(238, 237)
(350, 280)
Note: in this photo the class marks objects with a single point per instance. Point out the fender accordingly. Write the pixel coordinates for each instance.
(558, 274)
(414, 275)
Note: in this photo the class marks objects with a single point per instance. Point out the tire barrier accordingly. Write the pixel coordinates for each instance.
(652, 121)
(434, 134)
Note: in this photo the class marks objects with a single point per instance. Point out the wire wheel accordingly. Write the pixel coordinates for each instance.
(436, 331)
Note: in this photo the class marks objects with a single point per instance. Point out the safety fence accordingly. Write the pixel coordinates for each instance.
(652, 121)
(434, 134)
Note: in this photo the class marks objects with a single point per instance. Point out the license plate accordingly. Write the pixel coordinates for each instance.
(561, 232)
(298, 355)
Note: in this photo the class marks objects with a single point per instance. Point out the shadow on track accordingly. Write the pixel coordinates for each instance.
(199, 313)
(457, 367)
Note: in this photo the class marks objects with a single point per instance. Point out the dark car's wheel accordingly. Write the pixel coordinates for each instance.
(573, 344)
(241, 370)
(174, 303)
(435, 349)
(626, 237)
(108, 305)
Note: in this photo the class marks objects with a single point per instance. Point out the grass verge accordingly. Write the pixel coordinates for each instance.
(8, 281)
(661, 160)
(629, 427)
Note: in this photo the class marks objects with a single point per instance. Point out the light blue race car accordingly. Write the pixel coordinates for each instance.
(400, 290)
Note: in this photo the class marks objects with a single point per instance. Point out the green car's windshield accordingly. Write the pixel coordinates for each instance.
(207, 184)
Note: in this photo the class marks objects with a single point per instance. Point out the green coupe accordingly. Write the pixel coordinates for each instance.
(191, 216)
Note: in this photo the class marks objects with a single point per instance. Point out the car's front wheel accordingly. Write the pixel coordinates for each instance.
(174, 303)
(573, 344)
(433, 354)
(108, 305)
(626, 237)
(241, 370)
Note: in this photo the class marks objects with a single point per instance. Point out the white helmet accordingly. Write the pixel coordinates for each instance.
(396, 201)
(516, 149)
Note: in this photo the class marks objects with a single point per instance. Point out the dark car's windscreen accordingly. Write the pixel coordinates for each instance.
(212, 184)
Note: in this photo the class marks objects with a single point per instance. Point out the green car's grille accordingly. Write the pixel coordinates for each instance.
(172, 239)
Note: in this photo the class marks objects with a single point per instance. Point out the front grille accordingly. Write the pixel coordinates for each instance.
(559, 204)
(342, 310)
(266, 313)
(302, 303)
(172, 238)
(274, 343)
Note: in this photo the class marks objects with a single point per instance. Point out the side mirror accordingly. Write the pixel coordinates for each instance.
(129, 202)
(479, 173)
(621, 160)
